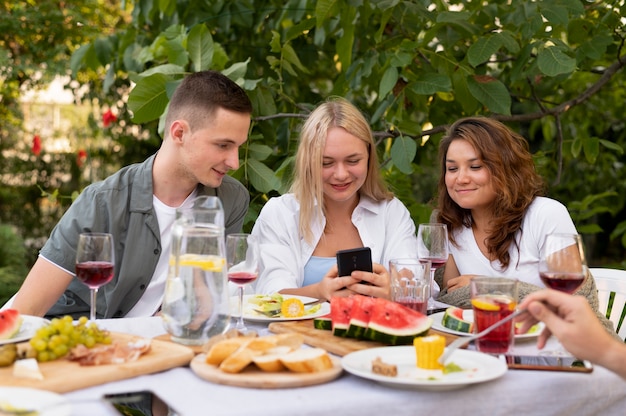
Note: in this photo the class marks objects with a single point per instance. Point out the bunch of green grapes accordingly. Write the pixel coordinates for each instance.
(57, 338)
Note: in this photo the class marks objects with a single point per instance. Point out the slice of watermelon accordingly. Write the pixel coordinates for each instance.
(10, 323)
(340, 308)
(360, 316)
(394, 324)
(453, 319)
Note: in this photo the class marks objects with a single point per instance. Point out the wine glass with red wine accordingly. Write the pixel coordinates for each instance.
(95, 263)
(432, 245)
(242, 256)
(563, 266)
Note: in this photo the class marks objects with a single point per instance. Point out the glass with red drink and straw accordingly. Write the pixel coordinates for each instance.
(493, 299)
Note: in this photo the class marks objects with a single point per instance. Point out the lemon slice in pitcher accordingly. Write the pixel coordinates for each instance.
(206, 263)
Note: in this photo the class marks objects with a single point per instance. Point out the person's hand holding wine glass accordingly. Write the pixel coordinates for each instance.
(242, 255)
(95, 263)
(432, 245)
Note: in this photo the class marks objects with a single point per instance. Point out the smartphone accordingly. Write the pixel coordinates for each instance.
(145, 401)
(547, 363)
(354, 259)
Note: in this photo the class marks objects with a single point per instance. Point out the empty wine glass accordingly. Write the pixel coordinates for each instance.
(432, 245)
(242, 256)
(94, 263)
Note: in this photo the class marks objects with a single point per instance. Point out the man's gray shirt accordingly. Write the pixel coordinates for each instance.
(122, 205)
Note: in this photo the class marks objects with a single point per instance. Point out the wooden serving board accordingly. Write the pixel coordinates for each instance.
(197, 349)
(251, 376)
(62, 376)
(325, 339)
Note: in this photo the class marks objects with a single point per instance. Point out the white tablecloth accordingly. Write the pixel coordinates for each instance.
(517, 392)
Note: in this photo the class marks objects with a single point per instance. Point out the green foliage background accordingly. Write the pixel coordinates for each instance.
(552, 70)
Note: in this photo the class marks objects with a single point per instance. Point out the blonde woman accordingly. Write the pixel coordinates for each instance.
(337, 201)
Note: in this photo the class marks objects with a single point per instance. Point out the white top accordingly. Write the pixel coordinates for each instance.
(385, 227)
(518, 391)
(544, 216)
(152, 298)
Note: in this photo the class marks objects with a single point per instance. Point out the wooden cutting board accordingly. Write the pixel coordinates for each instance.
(252, 377)
(336, 345)
(62, 376)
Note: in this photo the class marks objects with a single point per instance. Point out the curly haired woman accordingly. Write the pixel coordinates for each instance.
(490, 196)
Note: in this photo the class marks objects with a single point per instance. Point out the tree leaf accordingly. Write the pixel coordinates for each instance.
(388, 81)
(200, 47)
(431, 83)
(259, 151)
(291, 57)
(237, 71)
(552, 62)
(491, 93)
(261, 177)
(403, 152)
(554, 13)
(345, 42)
(613, 146)
(324, 9)
(166, 69)
(483, 49)
(148, 99)
(591, 146)
(103, 49)
(508, 41)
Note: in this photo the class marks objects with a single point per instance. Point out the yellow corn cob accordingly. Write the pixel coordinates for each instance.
(428, 350)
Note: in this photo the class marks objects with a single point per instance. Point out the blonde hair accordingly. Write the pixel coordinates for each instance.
(307, 185)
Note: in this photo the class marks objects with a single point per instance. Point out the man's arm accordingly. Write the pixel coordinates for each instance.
(43, 286)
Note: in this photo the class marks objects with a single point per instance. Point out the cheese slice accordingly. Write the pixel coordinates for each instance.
(27, 368)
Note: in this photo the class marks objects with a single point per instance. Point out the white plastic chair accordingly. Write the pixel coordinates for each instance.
(8, 303)
(611, 284)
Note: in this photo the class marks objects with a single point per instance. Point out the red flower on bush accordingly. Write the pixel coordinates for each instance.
(36, 148)
(81, 158)
(108, 117)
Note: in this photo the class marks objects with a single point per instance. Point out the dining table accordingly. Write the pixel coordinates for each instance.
(599, 392)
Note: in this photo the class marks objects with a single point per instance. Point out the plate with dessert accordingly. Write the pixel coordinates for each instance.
(412, 367)
(460, 322)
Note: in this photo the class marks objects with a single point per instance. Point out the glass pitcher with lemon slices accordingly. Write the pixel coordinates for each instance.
(196, 301)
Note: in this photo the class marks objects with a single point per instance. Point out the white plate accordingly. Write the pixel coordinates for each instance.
(477, 368)
(468, 315)
(38, 400)
(250, 315)
(30, 325)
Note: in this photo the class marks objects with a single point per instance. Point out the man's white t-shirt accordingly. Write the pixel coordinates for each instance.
(151, 300)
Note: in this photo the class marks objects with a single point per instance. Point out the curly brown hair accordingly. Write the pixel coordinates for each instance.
(507, 157)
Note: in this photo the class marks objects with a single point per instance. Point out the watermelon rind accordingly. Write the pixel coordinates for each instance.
(10, 323)
(323, 322)
(360, 316)
(453, 319)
